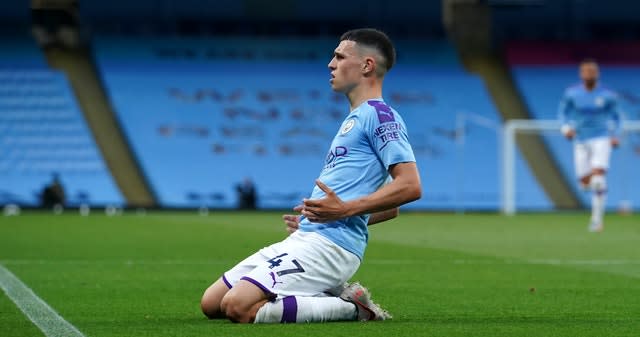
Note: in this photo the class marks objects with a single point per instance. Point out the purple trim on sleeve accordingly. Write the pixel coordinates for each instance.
(259, 285)
(224, 279)
(289, 309)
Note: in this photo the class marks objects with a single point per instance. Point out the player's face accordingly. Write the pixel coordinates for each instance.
(589, 73)
(345, 66)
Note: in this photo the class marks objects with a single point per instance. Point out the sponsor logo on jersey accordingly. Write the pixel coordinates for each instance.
(348, 125)
(333, 156)
(599, 101)
(387, 133)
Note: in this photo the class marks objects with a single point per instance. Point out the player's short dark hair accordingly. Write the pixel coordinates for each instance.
(376, 39)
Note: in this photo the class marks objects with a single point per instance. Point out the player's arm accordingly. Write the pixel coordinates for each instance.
(616, 118)
(404, 188)
(383, 216)
(293, 221)
(564, 111)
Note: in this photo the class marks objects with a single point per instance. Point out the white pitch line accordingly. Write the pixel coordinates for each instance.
(37, 310)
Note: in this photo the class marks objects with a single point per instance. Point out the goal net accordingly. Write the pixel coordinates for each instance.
(624, 187)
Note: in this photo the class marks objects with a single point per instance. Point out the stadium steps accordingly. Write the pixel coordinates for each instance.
(92, 98)
(511, 105)
(469, 27)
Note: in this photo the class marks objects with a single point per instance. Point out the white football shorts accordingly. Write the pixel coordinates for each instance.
(591, 154)
(304, 264)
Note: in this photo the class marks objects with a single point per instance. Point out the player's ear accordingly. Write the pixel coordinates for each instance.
(368, 66)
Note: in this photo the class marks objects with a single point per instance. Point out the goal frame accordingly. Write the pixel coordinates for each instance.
(509, 131)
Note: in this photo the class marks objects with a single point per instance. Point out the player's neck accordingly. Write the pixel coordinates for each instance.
(363, 93)
(590, 85)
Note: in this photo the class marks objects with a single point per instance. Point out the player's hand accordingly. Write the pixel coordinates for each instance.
(569, 134)
(292, 221)
(615, 142)
(324, 210)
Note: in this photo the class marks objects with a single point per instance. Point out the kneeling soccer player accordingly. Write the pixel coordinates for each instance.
(302, 279)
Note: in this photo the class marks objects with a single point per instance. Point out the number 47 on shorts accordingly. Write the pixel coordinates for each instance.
(277, 261)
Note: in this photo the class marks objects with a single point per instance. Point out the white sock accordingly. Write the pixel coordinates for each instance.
(298, 309)
(598, 198)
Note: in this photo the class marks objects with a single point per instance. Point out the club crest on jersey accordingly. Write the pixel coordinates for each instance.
(385, 115)
(599, 101)
(348, 125)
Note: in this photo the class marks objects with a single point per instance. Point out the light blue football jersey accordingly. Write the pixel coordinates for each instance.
(592, 113)
(371, 138)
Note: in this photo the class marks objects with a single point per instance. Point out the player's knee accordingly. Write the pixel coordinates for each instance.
(235, 310)
(598, 183)
(210, 302)
(209, 307)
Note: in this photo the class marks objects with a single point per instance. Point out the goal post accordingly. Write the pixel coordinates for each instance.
(509, 131)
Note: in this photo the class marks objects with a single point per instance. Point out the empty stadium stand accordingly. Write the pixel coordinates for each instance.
(202, 107)
(42, 132)
(202, 114)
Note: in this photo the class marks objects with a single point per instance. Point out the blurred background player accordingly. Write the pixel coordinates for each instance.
(590, 116)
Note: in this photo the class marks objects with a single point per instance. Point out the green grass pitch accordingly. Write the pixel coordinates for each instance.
(439, 274)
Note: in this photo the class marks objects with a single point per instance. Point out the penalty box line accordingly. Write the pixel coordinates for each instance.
(37, 310)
